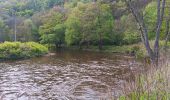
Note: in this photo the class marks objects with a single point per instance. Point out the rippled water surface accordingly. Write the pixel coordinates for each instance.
(66, 75)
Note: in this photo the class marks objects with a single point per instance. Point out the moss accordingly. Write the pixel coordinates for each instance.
(18, 50)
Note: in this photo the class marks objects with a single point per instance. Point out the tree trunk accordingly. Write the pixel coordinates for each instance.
(80, 45)
(160, 14)
(153, 54)
(100, 42)
(143, 30)
(56, 45)
(88, 44)
(35, 4)
(15, 29)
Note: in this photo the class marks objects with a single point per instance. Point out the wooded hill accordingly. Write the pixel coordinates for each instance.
(75, 22)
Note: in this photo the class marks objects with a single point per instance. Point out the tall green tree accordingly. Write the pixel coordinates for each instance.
(89, 23)
(52, 31)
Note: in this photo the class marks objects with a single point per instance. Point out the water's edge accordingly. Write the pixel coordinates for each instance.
(72, 75)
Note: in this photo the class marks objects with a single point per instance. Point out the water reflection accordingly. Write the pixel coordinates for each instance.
(66, 75)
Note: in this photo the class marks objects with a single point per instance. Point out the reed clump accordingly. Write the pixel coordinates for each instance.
(153, 84)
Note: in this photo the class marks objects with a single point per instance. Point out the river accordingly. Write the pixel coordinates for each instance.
(67, 75)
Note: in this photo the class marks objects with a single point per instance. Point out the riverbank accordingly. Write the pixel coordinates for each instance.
(134, 50)
(138, 50)
(151, 85)
(18, 50)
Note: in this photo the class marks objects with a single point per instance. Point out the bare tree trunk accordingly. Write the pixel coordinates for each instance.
(88, 43)
(15, 29)
(153, 54)
(142, 28)
(35, 4)
(100, 42)
(160, 14)
(147, 45)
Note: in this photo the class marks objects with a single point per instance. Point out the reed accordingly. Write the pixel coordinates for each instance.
(152, 84)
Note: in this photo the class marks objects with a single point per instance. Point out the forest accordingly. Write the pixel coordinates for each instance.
(74, 22)
(137, 28)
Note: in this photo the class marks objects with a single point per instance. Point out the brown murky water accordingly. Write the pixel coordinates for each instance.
(66, 75)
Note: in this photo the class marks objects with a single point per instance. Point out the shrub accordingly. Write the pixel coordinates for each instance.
(18, 50)
(138, 51)
(131, 38)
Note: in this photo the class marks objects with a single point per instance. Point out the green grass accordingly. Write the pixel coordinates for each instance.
(18, 50)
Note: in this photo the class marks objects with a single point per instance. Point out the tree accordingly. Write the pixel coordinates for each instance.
(138, 15)
(104, 24)
(27, 30)
(52, 31)
(89, 23)
(73, 27)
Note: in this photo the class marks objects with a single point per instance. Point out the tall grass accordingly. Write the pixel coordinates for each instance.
(153, 84)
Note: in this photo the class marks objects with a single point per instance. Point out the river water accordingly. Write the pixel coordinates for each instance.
(67, 75)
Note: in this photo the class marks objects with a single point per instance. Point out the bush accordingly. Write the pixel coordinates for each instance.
(131, 38)
(138, 51)
(18, 50)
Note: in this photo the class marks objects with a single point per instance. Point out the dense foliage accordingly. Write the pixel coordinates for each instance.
(18, 50)
(53, 30)
(83, 23)
(90, 23)
(75, 22)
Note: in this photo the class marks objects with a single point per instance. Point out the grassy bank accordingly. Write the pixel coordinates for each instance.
(151, 85)
(18, 50)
